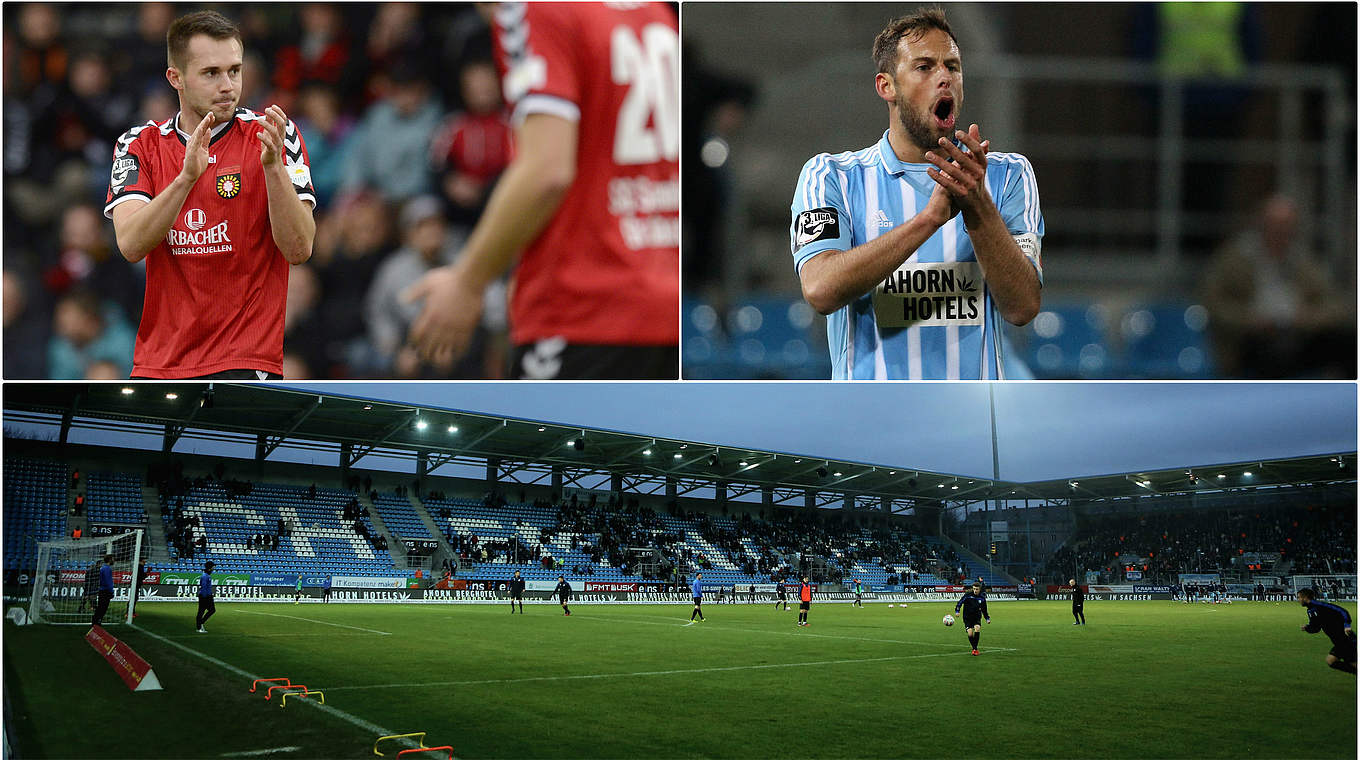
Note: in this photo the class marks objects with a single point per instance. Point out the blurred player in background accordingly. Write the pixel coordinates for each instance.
(218, 201)
(1336, 623)
(206, 607)
(1078, 602)
(974, 606)
(517, 593)
(563, 593)
(697, 592)
(587, 213)
(804, 602)
(105, 590)
(917, 247)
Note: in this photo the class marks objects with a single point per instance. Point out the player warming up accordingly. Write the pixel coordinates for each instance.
(1336, 623)
(587, 213)
(859, 593)
(804, 602)
(563, 594)
(696, 590)
(206, 608)
(218, 200)
(1078, 602)
(517, 593)
(917, 248)
(781, 596)
(974, 606)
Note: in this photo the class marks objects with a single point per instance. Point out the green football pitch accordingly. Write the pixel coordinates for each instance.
(1143, 679)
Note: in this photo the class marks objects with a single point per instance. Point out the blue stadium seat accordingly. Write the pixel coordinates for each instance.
(1166, 341)
(1069, 341)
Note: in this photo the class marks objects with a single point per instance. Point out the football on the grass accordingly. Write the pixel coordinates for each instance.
(948, 619)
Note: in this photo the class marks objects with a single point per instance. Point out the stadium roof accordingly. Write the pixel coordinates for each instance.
(528, 451)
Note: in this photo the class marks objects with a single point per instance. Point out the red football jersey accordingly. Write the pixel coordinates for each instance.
(217, 284)
(606, 269)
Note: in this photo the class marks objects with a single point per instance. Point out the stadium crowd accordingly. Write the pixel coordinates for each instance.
(780, 546)
(403, 157)
(1311, 540)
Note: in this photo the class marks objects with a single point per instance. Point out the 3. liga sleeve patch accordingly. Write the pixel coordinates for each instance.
(124, 175)
(817, 224)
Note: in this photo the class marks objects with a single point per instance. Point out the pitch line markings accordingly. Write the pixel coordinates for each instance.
(259, 752)
(535, 679)
(318, 622)
(354, 720)
(773, 633)
(263, 635)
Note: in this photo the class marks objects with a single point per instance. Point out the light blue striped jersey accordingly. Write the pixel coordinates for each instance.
(934, 318)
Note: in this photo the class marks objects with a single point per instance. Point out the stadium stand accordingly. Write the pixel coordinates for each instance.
(35, 507)
(115, 497)
(221, 519)
(399, 517)
(1309, 540)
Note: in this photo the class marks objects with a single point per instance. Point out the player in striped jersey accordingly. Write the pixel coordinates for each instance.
(917, 247)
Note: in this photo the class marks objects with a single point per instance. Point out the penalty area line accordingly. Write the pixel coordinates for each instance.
(641, 673)
(260, 752)
(318, 622)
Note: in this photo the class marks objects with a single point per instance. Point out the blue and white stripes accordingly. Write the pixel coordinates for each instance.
(934, 319)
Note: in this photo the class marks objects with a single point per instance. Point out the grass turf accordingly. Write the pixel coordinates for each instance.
(1143, 679)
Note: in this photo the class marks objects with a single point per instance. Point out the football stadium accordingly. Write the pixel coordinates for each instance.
(301, 571)
(1171, 144)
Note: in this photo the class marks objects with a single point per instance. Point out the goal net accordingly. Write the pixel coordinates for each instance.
(1329, 588)
(66, 584)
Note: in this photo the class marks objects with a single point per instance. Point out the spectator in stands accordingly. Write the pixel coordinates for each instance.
(320, 54)
(25, 330)
(349, 249)
(389, 151)
(86, 331)
(139, 58)
(1275, 310)
(474, 146)
(319, 116)
(427, 243)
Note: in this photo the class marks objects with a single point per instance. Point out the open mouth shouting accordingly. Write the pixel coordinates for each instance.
(943, 113)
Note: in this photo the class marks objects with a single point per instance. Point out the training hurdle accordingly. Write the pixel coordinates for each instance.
(283, 702)
(258, 681)
(270, 694)
(428, 749)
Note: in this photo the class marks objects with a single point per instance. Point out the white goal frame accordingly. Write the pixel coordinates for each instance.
(54, 556)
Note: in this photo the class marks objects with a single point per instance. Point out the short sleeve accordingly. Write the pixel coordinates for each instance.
(1020, 210)
(1020, 199)
(295, 158)
(130, 176)
(537, 44)
(820, 219)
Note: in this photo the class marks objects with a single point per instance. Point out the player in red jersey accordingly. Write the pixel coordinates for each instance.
(589, 207)
(218, 200)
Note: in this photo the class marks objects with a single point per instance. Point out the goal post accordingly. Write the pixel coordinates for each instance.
(66, 582)
(1328, 587)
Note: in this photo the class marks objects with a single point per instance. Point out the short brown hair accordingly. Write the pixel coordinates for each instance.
(910, 26)
(184, 28)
